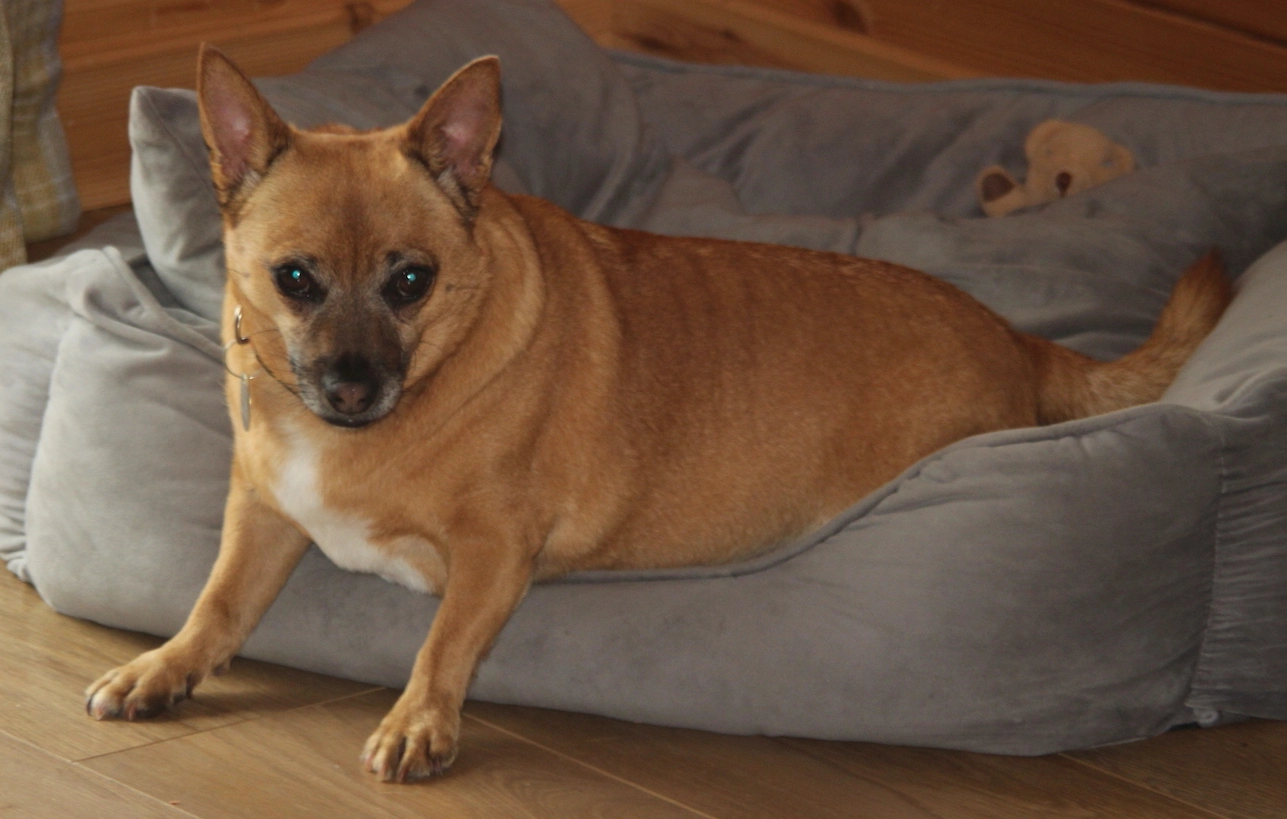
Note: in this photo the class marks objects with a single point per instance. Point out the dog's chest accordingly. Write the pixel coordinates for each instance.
(345, 538)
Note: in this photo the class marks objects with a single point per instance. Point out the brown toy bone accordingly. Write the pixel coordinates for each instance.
(1064, 158)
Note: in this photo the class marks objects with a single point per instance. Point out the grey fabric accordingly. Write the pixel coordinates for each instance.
(842, 147)
(33, 318)
(1092, 272)
(1022, 592)
(1243, 365)
(113, 355)
(30, 326)
(171, 186)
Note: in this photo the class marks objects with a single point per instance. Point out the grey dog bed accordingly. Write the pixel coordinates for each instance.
(1024, 591)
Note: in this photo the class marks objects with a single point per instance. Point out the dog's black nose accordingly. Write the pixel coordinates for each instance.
(351, 384)
(1063, 182)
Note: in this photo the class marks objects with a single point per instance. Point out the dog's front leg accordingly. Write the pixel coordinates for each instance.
(418, 737)
(257, 553)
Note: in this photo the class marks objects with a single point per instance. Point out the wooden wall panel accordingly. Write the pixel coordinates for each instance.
(1231, 45)
(103, 25)
(746, 32)
(110, 46)
(1261, 18)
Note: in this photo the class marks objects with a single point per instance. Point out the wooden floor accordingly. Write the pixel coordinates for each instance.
(268, 741)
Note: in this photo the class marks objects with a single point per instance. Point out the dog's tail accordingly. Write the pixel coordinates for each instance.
(1071, 385)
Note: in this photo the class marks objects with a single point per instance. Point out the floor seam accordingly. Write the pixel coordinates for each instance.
(900, 793)
(97, 774)
(1145, 786)
(588, 766)
(242, 721)
(127, 785)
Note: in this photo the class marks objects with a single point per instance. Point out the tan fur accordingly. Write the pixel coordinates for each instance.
(574, 396)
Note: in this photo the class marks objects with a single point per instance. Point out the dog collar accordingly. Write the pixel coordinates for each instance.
(243, 378)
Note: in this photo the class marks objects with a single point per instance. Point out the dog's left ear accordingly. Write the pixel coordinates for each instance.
(456, 131)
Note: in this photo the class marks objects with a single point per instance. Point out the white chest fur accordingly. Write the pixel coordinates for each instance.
(343, 538)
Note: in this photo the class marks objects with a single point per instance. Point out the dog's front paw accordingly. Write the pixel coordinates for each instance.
(414, 741)
(142, 688)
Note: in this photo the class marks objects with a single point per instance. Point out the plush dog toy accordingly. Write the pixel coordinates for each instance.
(1063, 158)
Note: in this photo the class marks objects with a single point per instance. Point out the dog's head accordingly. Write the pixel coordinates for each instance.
(352, 254)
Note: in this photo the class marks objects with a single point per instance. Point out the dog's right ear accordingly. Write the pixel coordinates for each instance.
(242, 131)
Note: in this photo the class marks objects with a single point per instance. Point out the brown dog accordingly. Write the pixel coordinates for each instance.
(466, 391)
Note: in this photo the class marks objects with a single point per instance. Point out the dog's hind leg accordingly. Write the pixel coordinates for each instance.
(257, 554)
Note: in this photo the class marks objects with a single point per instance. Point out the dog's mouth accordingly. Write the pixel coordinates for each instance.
(348, 422)
(337, 417)
(349, 413)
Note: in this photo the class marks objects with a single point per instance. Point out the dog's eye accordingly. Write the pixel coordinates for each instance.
(408, 285)
(297, 283)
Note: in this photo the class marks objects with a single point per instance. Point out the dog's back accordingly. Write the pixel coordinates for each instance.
(750, 392)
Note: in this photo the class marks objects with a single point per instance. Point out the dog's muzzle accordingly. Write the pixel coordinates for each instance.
(355, 392)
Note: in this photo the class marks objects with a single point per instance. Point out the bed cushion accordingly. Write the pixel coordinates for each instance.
(967, 604)
(32, 320)
(34, 316)
(1023, 592)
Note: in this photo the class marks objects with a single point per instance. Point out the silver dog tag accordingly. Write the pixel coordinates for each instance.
(245, 402)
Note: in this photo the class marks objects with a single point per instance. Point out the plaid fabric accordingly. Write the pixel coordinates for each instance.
(41, 167)
(37, 196)
(12, 250)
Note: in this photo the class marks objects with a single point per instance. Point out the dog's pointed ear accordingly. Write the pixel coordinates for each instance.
(456, 131)
(242, 131)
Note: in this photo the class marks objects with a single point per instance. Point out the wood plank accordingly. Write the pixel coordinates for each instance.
(36, 784)
(94, 101)
(753, 776)
(595, 17)
(850, 15)
(48, 660)
(1236, 771)
(714, 773)
(304, 764)
(100, 26)
(100, 72)
(982, 786)
(1255, 17)
(1237, 46)
(1074, 40)
(747, 33)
